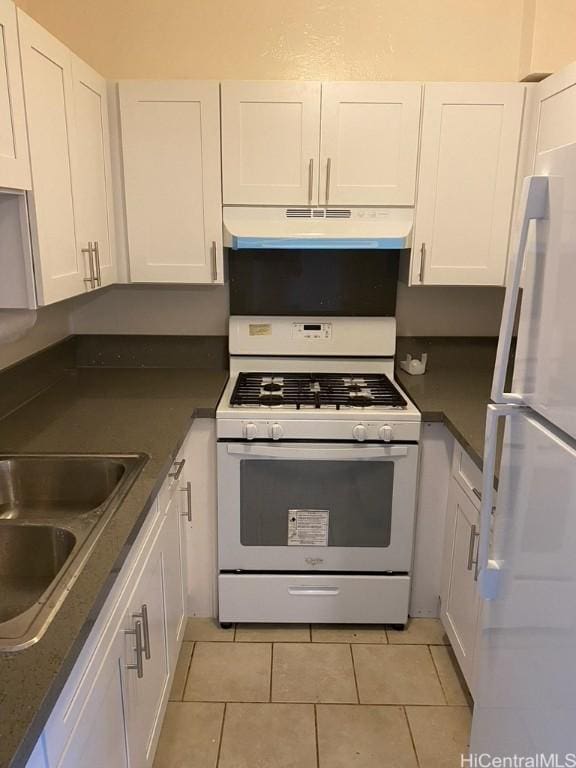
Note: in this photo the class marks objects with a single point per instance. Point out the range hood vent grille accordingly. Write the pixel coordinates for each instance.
(318, 213)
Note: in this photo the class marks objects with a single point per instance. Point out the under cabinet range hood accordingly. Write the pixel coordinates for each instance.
(317, 228)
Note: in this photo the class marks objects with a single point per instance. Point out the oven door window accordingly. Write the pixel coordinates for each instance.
(341, 503)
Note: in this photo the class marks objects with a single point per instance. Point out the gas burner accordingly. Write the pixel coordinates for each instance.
(353, 387)
(271, 386)
(271, 400)
(360, 401)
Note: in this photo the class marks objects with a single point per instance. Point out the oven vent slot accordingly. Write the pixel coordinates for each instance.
(338, 213)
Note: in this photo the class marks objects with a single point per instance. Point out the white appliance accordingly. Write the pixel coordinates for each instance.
(317, 228)
(317, 468)
(525, 669)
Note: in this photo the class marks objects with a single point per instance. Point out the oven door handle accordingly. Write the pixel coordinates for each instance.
(323, 452)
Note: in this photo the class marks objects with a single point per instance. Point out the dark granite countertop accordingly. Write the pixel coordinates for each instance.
(456, 386)
(93, 410)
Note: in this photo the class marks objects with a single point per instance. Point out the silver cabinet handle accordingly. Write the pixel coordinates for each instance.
(473, 535)
(328, 174)
(188, 491)
(138, 649)
(310, 180)
(91, 281)
(175, 474)
(96, 252)
(422, 261)
(143, 614)
(214, 261)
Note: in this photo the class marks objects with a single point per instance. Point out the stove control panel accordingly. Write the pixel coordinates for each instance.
(322, 331)
(349, 429)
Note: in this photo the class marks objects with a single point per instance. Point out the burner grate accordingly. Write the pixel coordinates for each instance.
(316, 390)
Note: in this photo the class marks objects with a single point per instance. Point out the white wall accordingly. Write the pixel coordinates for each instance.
(51, 325)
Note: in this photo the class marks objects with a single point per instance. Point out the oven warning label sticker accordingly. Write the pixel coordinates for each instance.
(308, 527)
(259, 329)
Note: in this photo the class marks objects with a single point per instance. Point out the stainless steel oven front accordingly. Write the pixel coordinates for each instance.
(316, 506)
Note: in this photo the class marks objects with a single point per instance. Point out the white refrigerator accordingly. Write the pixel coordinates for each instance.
(525, 658)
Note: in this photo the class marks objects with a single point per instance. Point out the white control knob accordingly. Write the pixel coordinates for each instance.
(359, 432)
(276, 431)
(250, 430)
(385, 433)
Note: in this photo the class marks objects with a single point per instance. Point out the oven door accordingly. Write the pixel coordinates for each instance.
(316, 507)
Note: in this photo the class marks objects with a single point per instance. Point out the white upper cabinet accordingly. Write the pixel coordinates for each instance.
(60, 265)
(270, 142)
(171, 152)
(468, 160)
(71, 200)
(93, 204)
(298, 143)
(369, 145)
(14, 164)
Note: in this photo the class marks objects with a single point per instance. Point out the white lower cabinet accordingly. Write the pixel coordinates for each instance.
(460, 601)
(111, 709)
(146, 650)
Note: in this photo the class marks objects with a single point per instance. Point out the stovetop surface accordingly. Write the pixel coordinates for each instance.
(334, 391)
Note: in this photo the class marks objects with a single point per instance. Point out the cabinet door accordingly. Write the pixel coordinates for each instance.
(468, 158)
(14, 164)
(460, 602)
(270, 142)
(175, 575)
(99, 736)
(145, 696)
(171, 150)
(369, 147)
(93, 209)
(60, 267)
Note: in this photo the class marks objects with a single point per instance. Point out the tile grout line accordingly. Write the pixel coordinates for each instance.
(221, 735)
(188, 670)
(354, 673)
(271, 671)
(435, 668)
(411, 735)
(316, 735)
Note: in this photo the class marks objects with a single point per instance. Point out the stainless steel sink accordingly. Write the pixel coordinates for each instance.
(38, 486)
(52, 510)
(31, 557)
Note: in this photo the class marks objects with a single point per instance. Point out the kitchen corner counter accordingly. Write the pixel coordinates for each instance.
(93, 410)
(456, 386)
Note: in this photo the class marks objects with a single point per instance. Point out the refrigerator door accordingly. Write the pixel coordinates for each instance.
(525, 674)
(545, 363)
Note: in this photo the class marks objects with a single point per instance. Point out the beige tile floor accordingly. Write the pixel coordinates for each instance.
(320, 696)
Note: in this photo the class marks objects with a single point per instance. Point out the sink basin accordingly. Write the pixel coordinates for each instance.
(53, 508)
(24, 579)
(41, 486)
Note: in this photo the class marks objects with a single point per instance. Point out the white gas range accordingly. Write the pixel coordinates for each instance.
(317, 469)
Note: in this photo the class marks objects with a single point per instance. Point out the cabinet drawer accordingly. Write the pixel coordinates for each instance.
(467, 474)
(314, 598)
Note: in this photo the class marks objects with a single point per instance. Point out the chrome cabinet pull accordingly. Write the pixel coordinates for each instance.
(214, 261)
(96, 252)
(422, 261)
(138, 649)
(143, 614)
(91, 281)
(310, 180)
(328, 174)
(473, 535)
(175, 474)
(188, 491)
